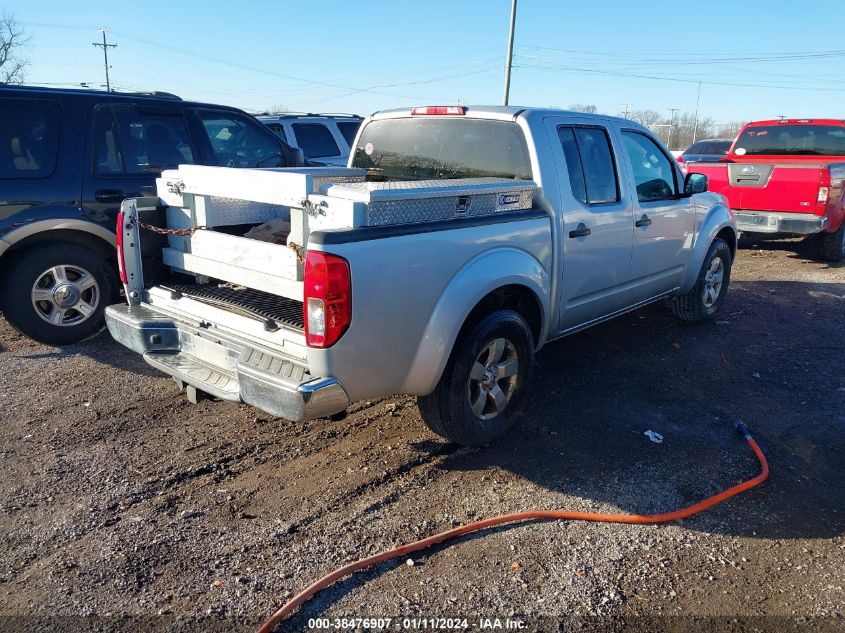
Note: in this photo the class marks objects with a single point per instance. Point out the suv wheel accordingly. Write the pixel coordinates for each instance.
(710, 289)
(57, 293)
(832, 245)
(486, 377)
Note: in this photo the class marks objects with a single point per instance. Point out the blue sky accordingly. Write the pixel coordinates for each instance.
(364, 56)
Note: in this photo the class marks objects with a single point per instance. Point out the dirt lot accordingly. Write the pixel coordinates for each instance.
(123, 503)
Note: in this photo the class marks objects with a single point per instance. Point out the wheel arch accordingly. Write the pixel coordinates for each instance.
(479, 288)
(75, 232)
(717, 223)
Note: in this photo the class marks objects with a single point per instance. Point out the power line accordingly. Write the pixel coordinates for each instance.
(560, 68)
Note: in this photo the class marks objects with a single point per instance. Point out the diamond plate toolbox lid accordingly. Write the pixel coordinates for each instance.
(416, 201)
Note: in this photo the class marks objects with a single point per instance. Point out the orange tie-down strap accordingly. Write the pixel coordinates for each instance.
(562, 515)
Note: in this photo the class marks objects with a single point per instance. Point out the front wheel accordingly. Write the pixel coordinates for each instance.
(708, 294)
(57, 293)
(478, 395)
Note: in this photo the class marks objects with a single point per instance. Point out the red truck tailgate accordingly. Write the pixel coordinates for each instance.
(789, 188)
(759, 186)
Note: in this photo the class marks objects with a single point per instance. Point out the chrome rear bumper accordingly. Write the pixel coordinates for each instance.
(224, 366)
(774, 222)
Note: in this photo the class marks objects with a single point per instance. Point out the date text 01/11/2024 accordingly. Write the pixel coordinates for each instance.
(416, 623)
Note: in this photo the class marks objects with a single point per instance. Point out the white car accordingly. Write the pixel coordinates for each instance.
(323, 138)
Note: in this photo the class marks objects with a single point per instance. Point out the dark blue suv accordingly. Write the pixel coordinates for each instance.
(67, 160)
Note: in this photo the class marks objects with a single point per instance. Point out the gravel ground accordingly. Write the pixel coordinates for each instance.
(126, 508)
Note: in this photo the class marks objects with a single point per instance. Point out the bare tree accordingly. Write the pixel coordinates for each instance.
(12, 40)
(583, 107)
(645, 117)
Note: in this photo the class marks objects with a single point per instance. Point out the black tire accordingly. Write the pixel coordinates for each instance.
(695, 306)
(82, 318)
(447, 410)
(831, 246)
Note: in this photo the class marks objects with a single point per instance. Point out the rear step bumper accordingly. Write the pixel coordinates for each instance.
(773, 222)
(224, 366)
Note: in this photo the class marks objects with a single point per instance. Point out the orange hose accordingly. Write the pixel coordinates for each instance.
(639, 519)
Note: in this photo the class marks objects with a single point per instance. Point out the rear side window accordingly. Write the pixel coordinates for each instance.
(315, 139)
(240, 142)
(589, 160)
(29, 137)
(349, 129)
(654, 174)
(133, 140)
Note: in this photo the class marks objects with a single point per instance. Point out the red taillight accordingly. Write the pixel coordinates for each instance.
(680, 158)
(120, 265)
(328, 298)
(439, 110)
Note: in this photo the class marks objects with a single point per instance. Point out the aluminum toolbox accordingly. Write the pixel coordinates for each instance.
(410, 202)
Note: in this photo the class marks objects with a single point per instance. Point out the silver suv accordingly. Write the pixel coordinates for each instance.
(323, 138)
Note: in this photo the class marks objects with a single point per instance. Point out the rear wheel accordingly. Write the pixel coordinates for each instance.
(57, 293)
(832, 245)
(478, 395)
(708, 294)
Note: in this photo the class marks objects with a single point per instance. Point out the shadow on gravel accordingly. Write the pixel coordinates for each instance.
(774, 360)
(102, 349)
(798, 248)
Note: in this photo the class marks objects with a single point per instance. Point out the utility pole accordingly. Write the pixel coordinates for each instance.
(627, 105)
(105, 46)
(509, 61)
(695, 125)
(671, 126)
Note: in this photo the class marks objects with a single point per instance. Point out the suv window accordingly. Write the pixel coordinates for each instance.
(279, 129)
(589, 160)
(654, 174)
(315, 139)
(133, 140)
(29, 137)
(238, 142)
(349, 129)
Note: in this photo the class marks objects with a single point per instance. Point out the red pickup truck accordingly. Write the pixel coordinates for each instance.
(786, 176)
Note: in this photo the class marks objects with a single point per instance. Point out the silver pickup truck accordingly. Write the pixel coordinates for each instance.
(458, 242)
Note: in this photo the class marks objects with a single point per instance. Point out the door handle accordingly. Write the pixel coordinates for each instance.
(580, 231)
(643, 221)
(109, 195)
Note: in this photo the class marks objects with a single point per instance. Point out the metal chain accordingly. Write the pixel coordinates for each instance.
(190, 230)
(296, 248)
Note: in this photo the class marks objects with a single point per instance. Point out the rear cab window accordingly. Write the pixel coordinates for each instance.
(130, 139)
(416, 148)
(29, 137)
(315, 140)
(792, 140)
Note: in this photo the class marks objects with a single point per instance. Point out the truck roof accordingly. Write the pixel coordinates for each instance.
(797, 122)
(504, 113)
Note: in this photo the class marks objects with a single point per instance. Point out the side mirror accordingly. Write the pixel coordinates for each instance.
(695, 183)
(300, 156)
